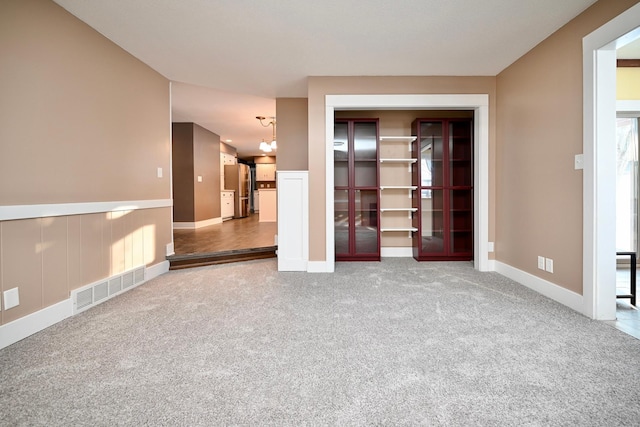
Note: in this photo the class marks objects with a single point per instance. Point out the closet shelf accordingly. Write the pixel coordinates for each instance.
(398, 160)
(398, 209)
(398, 187)
(397, 138)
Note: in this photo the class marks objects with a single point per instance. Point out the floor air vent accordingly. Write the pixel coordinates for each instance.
(98, 292)
(84, 298)
(127, 280)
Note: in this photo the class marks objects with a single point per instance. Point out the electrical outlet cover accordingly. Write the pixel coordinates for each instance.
(11, 298)
(541, 262)
(549, 265)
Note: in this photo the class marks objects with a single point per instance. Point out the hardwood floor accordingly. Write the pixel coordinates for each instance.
(242, 233)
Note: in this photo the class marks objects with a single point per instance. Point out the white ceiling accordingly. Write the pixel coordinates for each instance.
(232, 58)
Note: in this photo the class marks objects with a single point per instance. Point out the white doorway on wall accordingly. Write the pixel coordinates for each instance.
(599, 176)
(478, 103)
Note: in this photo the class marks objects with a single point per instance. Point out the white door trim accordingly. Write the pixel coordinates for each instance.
(479, 103)
(599, 97)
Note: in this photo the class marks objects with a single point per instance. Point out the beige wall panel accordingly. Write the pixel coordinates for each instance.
(127, 224)
(319, 87)
(395, 239)
(137, 237)
(94, 258)
(292, 133)
(394, 174)
(55, 284)
(118, 228)
(74, 251)
(22, 266)
(539, 194)
(102, 114)
(158, 234)
(206, 163)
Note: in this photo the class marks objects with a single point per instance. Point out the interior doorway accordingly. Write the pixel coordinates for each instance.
(478, 103)
(599, 90)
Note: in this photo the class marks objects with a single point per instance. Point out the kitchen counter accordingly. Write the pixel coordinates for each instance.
(268, 204)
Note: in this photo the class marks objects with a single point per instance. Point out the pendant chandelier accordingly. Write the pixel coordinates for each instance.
(268, 147)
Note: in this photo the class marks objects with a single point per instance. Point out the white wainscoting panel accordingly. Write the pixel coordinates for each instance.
(13, 332)
(293, 220)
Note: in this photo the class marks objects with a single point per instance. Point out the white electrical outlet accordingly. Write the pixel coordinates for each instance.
(549, 265)
(11, 298)
(541, 262)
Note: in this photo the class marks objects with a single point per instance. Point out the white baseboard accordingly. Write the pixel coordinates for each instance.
(13, 332)
(544, 287)
(406, 252)
(170, 249)
(319, 267)
(292, 264)
(156, 270)
(196, 225)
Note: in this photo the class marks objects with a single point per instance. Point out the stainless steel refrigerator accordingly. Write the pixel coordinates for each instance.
(238, 178)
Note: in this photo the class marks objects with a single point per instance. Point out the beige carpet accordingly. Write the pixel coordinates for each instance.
(395, 342)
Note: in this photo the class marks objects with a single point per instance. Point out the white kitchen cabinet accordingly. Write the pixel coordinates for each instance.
(228, 159)
(226, 204)
(265, 171)
(268, 205)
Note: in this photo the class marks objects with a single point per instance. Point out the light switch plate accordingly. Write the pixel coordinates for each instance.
(11, 298)
(159, 173)
(199, 178)
(579, 162)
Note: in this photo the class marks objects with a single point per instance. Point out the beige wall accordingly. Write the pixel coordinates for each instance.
(293, 130)
(265, 159)
(319, 87)
(206, 163)
(196, 153)
(628, 83)
(538, 192)
(81, 120)
(182, 174)
(225, 148)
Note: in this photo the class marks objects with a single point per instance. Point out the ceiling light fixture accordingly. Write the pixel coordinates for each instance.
(264, 146)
